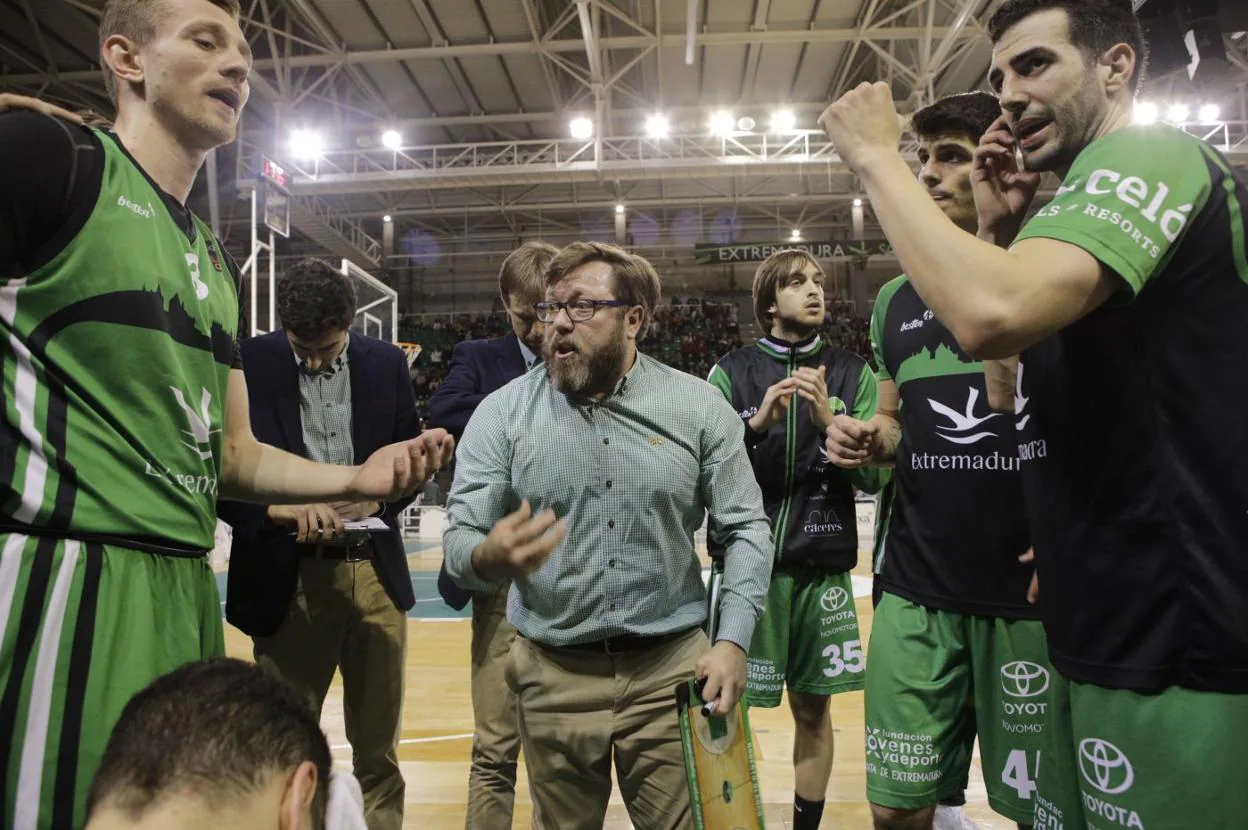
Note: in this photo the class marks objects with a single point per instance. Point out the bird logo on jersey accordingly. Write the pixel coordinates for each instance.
(963, 424)
(1020, 402)
(199, 431)
(201, 287)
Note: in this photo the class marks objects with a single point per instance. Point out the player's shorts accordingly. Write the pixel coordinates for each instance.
(935, 680)
(83, 626)
(1113, 758)
(808, 637)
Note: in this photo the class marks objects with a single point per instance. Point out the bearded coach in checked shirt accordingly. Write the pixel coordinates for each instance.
(583, 482)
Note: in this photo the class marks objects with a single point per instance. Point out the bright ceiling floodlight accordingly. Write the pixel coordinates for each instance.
(581, 127)
(857, 202)
(1209, 113)
(1177, 113)
(657, 126)
(745, 124)
(1145, 112)
(722, 123)
(391, 139)
(619, 208)
(795, 235)
(306, 144)
(783, 121)
(386, 218)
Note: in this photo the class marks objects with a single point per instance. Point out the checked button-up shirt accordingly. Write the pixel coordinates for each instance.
(634, 474)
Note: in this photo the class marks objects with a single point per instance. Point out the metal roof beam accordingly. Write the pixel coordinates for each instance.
(526, 47)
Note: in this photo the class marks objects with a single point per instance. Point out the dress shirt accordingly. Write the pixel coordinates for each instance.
(325, 410)
(634, 475)
(529, 357)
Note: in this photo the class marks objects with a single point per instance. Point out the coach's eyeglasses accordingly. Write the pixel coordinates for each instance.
(578, 310)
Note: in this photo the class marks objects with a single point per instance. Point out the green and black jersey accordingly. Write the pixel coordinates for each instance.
(1133, 422)
(121, 326)
(957, 524)
(809, 502)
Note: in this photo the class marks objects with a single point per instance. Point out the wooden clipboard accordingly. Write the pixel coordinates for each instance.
(719, 750)
(719, 764)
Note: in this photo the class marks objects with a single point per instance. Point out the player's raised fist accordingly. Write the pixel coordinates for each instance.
(862, 121)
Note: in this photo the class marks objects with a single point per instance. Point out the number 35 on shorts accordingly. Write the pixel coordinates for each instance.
(851, 660)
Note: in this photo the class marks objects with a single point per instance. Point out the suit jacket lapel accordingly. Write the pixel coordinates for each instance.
(361, 382)
(510, 358)
(287, 379)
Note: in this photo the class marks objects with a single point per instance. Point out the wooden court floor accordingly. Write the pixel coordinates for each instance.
(437, 732)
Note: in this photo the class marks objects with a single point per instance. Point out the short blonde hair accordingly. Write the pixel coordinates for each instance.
(779, 266)
(136, 21)
(524, 271)
(636, 281)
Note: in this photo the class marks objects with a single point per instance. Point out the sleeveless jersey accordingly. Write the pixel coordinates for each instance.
(115, 376)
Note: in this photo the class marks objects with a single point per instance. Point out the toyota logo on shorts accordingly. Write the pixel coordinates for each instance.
(834, 599)
(1104, 766)
(1023, 679)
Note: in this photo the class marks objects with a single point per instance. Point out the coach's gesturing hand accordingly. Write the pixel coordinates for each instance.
(519, 543)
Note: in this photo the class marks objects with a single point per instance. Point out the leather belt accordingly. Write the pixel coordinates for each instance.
(627, 643)
(359, 552)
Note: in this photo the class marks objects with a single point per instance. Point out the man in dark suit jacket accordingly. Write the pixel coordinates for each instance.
(478, 367)
(314, 596)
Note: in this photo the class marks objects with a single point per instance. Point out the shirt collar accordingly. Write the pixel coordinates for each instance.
(783, 348)
(337, 365)
(529, 357)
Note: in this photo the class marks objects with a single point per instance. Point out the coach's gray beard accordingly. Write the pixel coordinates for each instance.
(587, 375)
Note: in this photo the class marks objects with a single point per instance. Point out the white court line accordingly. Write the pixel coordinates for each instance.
(432, 740)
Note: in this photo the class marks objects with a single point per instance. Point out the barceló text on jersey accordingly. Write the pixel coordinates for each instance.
(1148, 216)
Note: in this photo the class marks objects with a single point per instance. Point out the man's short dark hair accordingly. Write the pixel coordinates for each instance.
(216, 728)
(968, 114)
(1094, 26)
(314, 300)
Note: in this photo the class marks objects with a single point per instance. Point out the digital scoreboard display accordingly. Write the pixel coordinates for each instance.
(274, 173)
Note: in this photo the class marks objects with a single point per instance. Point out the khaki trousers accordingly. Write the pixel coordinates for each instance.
(581, 711)
(342, 618)
(496, 742)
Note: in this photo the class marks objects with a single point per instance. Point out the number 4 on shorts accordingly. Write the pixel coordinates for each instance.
(1017, 776)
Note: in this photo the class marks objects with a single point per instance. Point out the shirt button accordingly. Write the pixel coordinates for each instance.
(608, 484)
(606, 440)
(333, 435)
(611, 563)
(613, 606)
(612, 525)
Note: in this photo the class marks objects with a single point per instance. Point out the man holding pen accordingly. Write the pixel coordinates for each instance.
(623, 457)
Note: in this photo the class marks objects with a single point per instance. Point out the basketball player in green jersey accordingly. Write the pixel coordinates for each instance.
(957, 651)
(125, 408)
(1126, 296)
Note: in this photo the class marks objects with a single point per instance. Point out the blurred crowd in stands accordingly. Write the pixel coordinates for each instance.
(690, 334)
